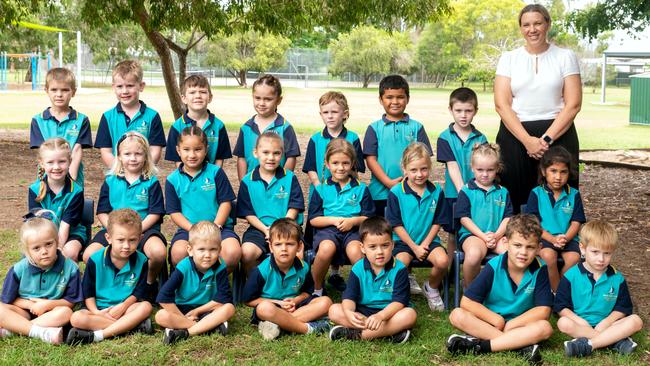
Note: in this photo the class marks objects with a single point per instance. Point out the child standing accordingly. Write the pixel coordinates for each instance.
(196, 95)
(593, 299)
(130, 114)
(279, 289)
(55, 190)
(508, 305)
(40, 290)
(61, 120)
(559, 208)
(114, 285)
(454, 147)
(267, 95)
(132, 183)
(484, 209)
(266, 194)
(197, 298)
(376, 301)
(336, 209)
(198, 191)
(416, 211)
(386, 139)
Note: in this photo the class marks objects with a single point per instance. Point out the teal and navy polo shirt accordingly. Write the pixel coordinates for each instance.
(144, 196)
(115, 123)
(67, 205)
(593, 300)
(487, 209)
(218, 143)
(315, 156)
(249, 132)
(417, 214)
(109, 285)
(495, 289)
(270, 201)
(198, 198)
(556, 216)
(267, 281)
(75, 129)
(187, 286)
(378, 291)
(27, 281)
(329, 199)
(451, 147)
(387, 140)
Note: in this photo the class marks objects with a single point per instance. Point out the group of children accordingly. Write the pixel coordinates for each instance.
(505, 307)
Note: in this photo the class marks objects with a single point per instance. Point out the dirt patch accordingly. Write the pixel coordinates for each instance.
(618, 195)
(618, 158)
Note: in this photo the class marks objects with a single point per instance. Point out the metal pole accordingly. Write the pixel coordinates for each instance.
(34, 66)
(603, 81)
(78, 60)
(60, 49)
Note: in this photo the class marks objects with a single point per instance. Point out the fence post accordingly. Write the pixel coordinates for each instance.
(34, 65)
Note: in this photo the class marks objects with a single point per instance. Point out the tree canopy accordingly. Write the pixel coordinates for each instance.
(632, 15)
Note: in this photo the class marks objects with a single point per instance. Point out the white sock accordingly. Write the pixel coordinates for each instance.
(310, 329)
(46, 334)
(99, 336)
(335, 272)
(5, 333)
(318, 292)
(36, 331)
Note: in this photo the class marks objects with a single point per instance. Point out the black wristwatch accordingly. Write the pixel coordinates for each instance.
(548, 139)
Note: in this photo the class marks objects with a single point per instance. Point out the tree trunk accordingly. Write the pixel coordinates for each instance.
(484, 86)
(182, 65)
(242, 78)
(366, 80)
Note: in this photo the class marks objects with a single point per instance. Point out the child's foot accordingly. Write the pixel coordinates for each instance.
(457, 344)
(5, 333)
(401, 337)
(337, 282)
(79, 336)
(222, 328)
(174, 335)
(531, 354)
(625, 346)
(145, 327)
(414, 286)
(578, 347)
(318, 326)
(268, 330)
(341, 332)
(52, 335)
(433, 298)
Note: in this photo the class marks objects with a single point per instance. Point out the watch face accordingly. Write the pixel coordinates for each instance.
(548, 139)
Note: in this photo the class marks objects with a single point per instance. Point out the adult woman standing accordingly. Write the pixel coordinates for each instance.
(537, 94)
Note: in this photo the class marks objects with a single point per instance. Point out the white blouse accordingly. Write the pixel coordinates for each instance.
(537, 95)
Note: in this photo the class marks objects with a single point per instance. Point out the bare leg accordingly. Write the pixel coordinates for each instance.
(57, 317)
(90, 250)
(134, 315)
(475, 250)
(353, 251)
(267, 310)
(326, 251)
(179, 251)
(155, 250)
(316, 309)
(230, 252)
(71, 249)
(437, 257)
(620, 329)
(402, 320)
(570, 259)
(467, 322)
(249, 255)
(174, 320)
(405, 258)
(550, 257)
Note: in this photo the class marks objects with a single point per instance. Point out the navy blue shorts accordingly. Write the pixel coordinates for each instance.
(182, 234)
(100, 238)
(340, 239)
(187, 308)
(366, 311)
(401, 247)
(255, 320)
(252, 235)
(571, 246)
(380, 207)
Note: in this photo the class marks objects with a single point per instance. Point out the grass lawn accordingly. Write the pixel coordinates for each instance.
(599, 126)
(244, 346)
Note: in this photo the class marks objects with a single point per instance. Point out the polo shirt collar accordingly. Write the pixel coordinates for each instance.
(141, 179)
(109, 263)
(610, 271)
(279, 121)
(279, 173)
(387, 267)
(48, 115)
(404, 119)
(473, 133)
(189, 121)
(565, 190)
(203, 166)
(532, 267)
(429, 187)
(472, 185)
(212, 269)
(342, 135)
(68, 186)
(297, 265)
(56, 267)
(143, 107)
(353, 183)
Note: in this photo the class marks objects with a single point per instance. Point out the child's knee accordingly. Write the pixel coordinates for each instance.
(441, 261)
(228, 309)
(565, 325)
(407, 317)
(161, 317)
(336, 313)
(155, 250)
(326, 249)
(543, 329)
(324, 302)
(457, 317)
(637, 322)
(63, 312)
(79, 319)
(266, 309)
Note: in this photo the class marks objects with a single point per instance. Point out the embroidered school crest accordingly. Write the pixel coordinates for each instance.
(529, 289)
(62, 284)
(73, 131)
(281, 193)
(143, 196)
(212, 137)
(499, 201)
(610, 295)
(411, 136)
(353, 200)
(432, 207)
(567, 208)
(208, 185)
(296, 286)
(387, 286)
(142, 128)
(130, 282)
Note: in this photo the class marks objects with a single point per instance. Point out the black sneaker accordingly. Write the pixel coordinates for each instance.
(337, 282)
(401, 337)
(174, 335)
(625, 346)
(341, 332)
(458, 344)
(79, 336)
(222, 328)
(319, 326)
(578, 347)
(145, 327)
(531, 354)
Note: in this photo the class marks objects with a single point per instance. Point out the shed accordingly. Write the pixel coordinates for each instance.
(640, 99)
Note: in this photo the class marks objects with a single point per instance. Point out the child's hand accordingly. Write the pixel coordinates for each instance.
(106, 313)
(117, 311)
(373, 322)
(394, 182)
(39, 307)
(500, 324)
(266, 234)
(421, 252)
(562, 240)
(289, 304)
(358, 320)
(344, 225)
(192, 315)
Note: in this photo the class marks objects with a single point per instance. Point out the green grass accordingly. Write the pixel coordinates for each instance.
(244, 346)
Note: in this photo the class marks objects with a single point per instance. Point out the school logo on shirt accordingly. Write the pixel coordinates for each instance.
(411, 136)
(432, 207)
(130, 282)
(142, 128)
(211, 137)
(207, 185)
(353, 200)
(499, 201)
(143, 196)
(529, 289)
(73, 131)
(387, 286)
(567, 208)
(62, 284)
(281, 193)
(610, 295)
(296, 286)
(209, 285)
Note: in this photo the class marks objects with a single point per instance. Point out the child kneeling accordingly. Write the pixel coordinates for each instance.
(593, 300)
(197, 298)
(280, 287)
(508, 305)
(114, 285)
(376, 299)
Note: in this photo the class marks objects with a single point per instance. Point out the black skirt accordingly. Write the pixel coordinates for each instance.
(521, 172)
